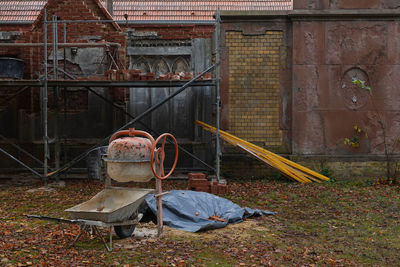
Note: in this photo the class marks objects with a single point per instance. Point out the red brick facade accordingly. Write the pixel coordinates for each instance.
(176, 32)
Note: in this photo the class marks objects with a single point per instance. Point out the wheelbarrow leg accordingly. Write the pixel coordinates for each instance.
(109, 248)
(81, 229)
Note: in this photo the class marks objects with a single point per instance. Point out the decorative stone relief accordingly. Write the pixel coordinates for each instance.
(180, 65)
(161, 64)
(141, 63)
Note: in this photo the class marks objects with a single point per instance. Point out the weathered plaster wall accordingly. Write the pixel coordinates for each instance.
(326, 105)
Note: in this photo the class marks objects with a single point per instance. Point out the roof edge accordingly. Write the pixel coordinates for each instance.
(314, 14)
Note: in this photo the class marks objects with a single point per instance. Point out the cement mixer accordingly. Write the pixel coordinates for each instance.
(132, 156)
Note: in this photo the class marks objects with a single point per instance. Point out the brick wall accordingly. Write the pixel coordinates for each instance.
(76, 32)
(176, 32)
(254, 62)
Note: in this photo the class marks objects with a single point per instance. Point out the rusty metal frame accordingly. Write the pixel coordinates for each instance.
(85, 83)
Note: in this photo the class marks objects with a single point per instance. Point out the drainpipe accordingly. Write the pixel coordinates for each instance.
(110, 7)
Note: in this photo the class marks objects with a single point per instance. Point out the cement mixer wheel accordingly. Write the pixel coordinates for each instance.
(124, 231)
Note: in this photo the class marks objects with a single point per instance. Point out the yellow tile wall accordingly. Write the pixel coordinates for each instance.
(254, 62)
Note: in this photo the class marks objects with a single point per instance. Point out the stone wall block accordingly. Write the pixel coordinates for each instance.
(393, 45)
(339, 124)
(385, 87)
(391, 4)
(305, 93)
(310, 4)
(309, 40)
(308, 133)
(358, 42)
(351, 4)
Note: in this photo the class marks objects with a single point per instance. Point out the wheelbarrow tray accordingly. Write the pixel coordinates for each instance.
(114, 204)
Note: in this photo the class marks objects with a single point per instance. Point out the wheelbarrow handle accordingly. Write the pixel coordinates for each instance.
(131, 132)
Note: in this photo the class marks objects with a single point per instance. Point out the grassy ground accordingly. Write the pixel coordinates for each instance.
(331, 224)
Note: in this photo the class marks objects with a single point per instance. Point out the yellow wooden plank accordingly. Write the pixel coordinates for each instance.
(235, 141)
(283, 169)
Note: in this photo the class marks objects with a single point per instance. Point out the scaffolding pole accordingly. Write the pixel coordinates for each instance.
(44, 102)
(218, 98)
(60, 44)
(57, 145)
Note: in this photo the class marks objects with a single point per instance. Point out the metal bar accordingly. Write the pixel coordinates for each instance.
(103, 83)
(148, 111)
(159, 205)
(44, 101)
(131, 84)
(112, 59)
(110, 233)
(21, 150)
(65, 41)
(64, 91)
(140, 21)
(167, 22)
(55, 59)
(47, 218)
(217, 74)
(59, 45)
(20, 162)
(100, 235)
(82, 228)
(57, 145)
(7, 100)
(124, 22)
(84, 21)
(161, 194)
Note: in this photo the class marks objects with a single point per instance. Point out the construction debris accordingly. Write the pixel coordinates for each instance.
(198, 182)
(286, 167)
(136, 74)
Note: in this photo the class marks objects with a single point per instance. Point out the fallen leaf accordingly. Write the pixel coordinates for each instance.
(100, 208)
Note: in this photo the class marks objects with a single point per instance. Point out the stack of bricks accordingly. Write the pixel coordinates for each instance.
(199, 182)
(136, 74)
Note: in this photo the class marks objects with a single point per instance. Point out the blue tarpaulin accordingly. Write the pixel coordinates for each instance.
(190, 210)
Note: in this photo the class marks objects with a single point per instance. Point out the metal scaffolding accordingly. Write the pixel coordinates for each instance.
(55, 82)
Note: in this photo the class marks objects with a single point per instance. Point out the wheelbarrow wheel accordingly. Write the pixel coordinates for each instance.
(124, 231)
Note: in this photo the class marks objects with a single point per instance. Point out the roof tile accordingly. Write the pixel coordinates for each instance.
(25, 10)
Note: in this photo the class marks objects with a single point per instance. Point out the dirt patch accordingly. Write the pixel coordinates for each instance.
(236, 231)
